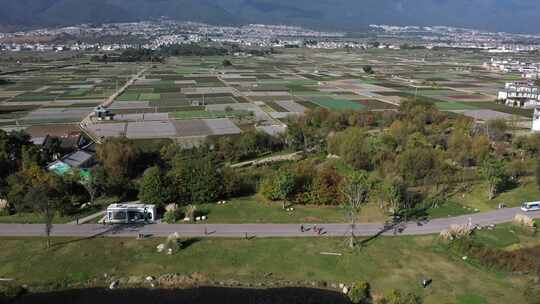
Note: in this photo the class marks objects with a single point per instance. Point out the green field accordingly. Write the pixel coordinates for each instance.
(452, 105)
(207, 114)
(149, 96)
(251, 210)
(476, 198)
(386, 262)
(338, 104)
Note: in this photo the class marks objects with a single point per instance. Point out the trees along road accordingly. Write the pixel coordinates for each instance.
(263, 230)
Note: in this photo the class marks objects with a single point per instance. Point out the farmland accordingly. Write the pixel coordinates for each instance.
(255, 92)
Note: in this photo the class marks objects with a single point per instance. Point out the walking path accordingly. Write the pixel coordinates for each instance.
(262, 230)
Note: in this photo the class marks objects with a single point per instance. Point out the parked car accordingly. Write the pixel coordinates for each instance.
(531, 206)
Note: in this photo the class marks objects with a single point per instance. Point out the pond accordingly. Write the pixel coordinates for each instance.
(198, 295)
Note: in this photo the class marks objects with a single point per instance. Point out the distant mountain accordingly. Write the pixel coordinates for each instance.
(350, 15)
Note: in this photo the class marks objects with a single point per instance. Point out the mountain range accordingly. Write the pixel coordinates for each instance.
(518, 16)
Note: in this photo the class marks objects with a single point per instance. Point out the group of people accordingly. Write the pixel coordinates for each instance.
(317, 230)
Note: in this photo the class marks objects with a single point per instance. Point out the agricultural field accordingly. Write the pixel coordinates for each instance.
(179, 98)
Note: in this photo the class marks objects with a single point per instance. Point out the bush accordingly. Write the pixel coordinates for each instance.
(9, 292)
(170, 217)
(191, 212)
(4, 207)
(456, 232)
(397, 297)
(360, 292)
(524, 221)
(173, 243)
(532, 291)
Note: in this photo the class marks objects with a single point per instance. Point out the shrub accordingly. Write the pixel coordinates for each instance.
(191, 211)
(169, 217)
(4, 208)
(172, 208)
(524, 221)
(456, 232)
(397, 297)
(173, 243)
(172, 213)
(532, 291)
(360, 292)
(10, 291)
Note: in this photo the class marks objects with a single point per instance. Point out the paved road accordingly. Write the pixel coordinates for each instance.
(260, 230)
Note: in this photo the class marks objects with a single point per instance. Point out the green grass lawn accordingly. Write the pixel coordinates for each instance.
(149, 96)
(476, 198)
(250, 210)
(30, 218)
(386, 262)
(452, 105)
(128, 97)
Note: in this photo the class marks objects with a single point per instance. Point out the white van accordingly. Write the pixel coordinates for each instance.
(130, 213)
(531, 206)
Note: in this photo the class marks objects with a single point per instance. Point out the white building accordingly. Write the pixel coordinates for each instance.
(522, 94)
(127, 213)
(536, 120)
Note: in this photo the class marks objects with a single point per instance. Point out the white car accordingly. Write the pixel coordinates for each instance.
(531, 206)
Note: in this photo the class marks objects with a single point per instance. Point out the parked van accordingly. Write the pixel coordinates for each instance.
(531, 206)
(127, 213)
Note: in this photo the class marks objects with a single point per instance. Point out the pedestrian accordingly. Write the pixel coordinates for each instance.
(302, 228)
(77, 220)
(205, 231)
(315, 228)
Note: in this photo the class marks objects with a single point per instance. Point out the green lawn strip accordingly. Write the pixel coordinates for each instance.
(149, 96)
(249, 210)
(452, 105)
(207, 114)
(30, 218)
(387, 263)
(476, 198)
(471, 299)
(185, 70)
(128, 97)
(338, 104)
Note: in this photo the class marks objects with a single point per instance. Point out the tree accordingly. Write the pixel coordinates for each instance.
(44, 203)
(196, 179)
(36, 190)
(285, 185)
(368, 69)
(355, 189)
(493, 171)
(392, 192)
(91, 184)
(360, 293)
(118, 156)
(352, 146)
(480, 148)
(154, 188)
(417, 163)
(496, 129)
(227, 63)
(538, 173)
(325, 187)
